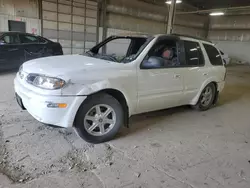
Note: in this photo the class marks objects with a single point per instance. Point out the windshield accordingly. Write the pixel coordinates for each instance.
(119, 49)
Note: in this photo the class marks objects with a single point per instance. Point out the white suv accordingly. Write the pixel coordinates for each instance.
(98, 91)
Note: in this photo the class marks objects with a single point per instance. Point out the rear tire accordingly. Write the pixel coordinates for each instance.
(206, 98)
(99, 118)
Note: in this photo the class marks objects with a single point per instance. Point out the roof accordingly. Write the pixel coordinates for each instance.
(174, 35)
(130, 35)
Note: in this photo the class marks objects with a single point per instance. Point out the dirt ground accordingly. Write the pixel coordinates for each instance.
(176, 148)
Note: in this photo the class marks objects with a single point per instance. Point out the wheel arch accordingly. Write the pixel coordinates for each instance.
(119, 96)
(197, 97)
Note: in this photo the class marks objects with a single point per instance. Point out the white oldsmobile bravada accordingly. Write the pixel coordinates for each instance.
(98, 91)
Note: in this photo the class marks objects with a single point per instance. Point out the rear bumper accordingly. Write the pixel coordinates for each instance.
(37, 106)
(220, 86)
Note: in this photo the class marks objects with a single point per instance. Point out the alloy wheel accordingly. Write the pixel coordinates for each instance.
(207, 96)
(99, 120)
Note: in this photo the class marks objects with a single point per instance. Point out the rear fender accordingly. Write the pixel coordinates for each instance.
(197, 97)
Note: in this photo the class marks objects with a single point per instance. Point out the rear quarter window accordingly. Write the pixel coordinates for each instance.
(213, 55)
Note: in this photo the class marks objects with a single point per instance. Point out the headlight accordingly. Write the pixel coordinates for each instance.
(45, 82)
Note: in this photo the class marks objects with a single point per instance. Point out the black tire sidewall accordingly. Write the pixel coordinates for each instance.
(199, 105)
(91, 101)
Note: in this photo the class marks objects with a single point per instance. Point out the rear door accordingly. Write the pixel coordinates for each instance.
(196, 70)
(218, 69)
(11, 52)
(33, 46)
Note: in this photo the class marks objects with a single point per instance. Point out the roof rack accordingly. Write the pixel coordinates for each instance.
(189, 36)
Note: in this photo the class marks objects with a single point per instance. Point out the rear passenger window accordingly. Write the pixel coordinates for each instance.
(213, 54)
(194, 56)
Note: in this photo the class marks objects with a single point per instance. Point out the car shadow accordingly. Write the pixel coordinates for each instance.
(138, 123)
(144, 121)
(232, 93)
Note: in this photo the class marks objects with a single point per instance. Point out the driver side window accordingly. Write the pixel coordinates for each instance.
(162, 55)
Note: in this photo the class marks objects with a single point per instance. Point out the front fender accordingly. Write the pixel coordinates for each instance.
(88, 89)
(105, 84)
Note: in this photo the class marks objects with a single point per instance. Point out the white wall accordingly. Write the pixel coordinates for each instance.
(232, 34)
(141, 17)
(23, 8)
(238, 51)
(20, 10)
(32, 25)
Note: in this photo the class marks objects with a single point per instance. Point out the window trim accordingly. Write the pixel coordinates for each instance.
(222, 60)
(41, 38)
(97, 47)
(221, 52)
(200, 51)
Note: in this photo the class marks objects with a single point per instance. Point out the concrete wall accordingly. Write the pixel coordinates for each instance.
(72, 23)
(141, 17)
(20, 10)
(32, 25)
(232, 35)
(191, 24)
(138, 17)
(238, 51)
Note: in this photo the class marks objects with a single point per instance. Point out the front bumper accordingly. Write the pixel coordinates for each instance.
(36, 105)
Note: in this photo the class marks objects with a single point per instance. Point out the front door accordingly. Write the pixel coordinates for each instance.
(161, 87)
(11, 52)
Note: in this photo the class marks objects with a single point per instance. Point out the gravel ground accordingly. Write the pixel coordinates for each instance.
(176, 148)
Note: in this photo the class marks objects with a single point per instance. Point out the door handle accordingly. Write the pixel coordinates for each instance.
(177, 76)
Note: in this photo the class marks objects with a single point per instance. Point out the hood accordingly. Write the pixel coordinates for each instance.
(67, 65)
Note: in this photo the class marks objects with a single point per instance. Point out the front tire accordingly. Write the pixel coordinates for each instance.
(99, 118)
(207, 98)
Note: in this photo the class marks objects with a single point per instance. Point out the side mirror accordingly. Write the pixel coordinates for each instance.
(152, 63)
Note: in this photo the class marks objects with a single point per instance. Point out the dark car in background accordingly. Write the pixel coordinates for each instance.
(17, 48)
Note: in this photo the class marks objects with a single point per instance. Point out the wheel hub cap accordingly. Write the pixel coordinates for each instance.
(207, 96)
(99, 120)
